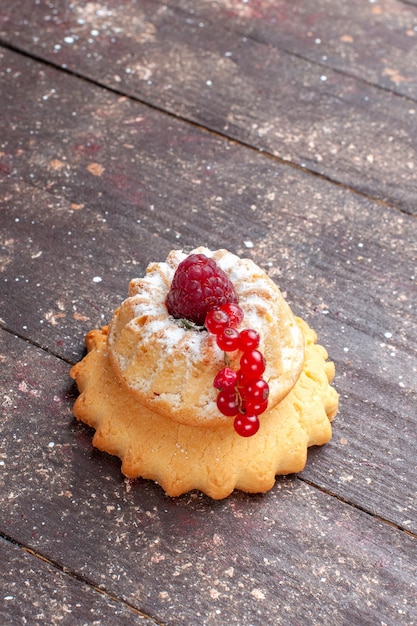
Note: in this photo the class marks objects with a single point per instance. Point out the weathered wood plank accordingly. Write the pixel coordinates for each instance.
(282, 558)
(314, 117)
(96, 190)
(373, 41)
(345, 263)
(33, 592)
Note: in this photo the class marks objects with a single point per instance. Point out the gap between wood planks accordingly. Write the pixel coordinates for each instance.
(104, 592)
(36, 344)
(214, 132)
(357, 507)
(410, 3)
(79, 578)
(242, 143)
(262, 41)
(323, 490)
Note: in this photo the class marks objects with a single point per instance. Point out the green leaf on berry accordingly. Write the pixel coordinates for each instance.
(189, 325)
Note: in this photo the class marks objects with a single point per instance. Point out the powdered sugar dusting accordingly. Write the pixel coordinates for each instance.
(142, 331)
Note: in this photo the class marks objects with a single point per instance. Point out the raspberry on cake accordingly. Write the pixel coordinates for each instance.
(199, 285)
(205, 380)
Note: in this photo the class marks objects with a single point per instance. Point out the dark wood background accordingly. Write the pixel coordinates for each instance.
(286, 132)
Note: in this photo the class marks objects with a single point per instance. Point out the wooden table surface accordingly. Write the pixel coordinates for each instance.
(285, 131)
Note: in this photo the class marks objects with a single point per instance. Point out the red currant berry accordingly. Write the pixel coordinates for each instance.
(225, 379)
(216, 320)
(227, 403)
(234, 312)
(246, 425)
(249, 339)
(252, 364)
(256, 407)
(228, 339)
(241, 380)
(256, 390)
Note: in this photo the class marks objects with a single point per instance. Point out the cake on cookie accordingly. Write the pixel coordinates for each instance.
(204, 379)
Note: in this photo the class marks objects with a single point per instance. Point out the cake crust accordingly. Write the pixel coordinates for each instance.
(183, 457)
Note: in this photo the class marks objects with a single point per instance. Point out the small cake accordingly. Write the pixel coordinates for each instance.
(204, 379)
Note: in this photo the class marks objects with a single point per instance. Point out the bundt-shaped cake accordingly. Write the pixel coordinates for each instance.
(170, 368)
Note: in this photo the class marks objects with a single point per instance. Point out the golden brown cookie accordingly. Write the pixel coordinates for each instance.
(216, 461)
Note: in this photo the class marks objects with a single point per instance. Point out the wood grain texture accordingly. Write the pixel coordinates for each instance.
(312, 116)
(286, 557)
(132, 128)
(91, 200)
(372, 41)
(33, 591)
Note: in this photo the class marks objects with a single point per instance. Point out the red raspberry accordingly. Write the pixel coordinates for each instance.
(198, 286)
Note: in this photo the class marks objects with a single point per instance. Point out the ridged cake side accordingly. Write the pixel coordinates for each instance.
(171, 369)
